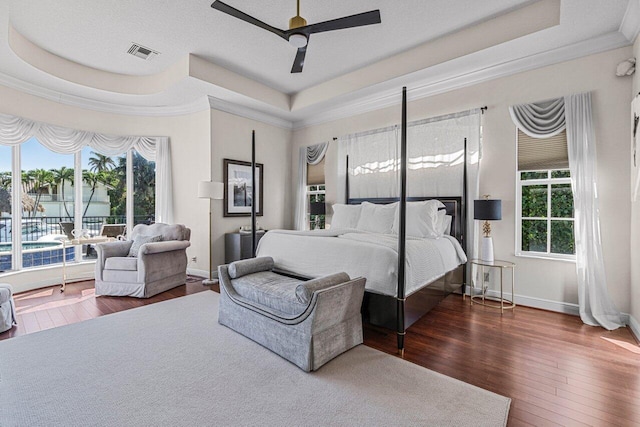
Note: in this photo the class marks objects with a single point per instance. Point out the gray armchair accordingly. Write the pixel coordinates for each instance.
(152, 261)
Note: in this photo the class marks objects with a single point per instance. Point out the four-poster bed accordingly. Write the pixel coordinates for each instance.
(396, 295)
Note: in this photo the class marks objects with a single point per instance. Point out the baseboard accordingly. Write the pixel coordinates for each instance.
(544, 304)
(201, 273)
(634, 326)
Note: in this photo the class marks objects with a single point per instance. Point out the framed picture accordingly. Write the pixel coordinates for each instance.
(238, 192)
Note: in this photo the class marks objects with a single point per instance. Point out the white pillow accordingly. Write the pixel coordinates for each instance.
(445, 223)
(345, 216)
(422, 219)
(377, 218)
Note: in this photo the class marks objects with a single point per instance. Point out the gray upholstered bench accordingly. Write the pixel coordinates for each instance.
(306, 322)
(7, 307)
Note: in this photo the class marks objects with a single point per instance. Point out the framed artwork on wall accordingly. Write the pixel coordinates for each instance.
(238, 192)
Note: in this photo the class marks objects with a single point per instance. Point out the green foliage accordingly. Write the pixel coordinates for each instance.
(562, 238)
(533, 175)
(561, 201)
(534, 205)
(534, 235)
(534, 201)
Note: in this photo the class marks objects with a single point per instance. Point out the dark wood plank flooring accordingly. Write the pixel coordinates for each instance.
(556, 370)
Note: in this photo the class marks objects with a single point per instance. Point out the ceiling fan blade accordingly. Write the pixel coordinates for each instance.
(298, 63)
(223, 7)
(359, 20)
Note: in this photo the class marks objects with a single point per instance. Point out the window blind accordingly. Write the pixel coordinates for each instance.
(315, 173)
(542, 153)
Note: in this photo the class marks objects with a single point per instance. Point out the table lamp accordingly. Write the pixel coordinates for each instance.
(317, 209)
(213, 191)
(487, 210)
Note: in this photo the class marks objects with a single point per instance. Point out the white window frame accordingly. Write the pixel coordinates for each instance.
(310, 193)
(548, 182)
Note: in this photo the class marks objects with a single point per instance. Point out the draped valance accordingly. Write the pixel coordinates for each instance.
(539, 119)
(16, 130)
(315, 153)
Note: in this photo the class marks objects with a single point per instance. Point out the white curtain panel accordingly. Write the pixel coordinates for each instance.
(301, 191)
(16, 130)
(373, 163)
(311, 155)
(595, 304)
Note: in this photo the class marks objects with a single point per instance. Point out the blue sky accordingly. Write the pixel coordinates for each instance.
(35, 156)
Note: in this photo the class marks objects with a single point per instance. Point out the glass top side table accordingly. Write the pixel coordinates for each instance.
(495, 302)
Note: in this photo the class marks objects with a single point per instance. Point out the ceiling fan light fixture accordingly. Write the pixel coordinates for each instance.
(298, 40)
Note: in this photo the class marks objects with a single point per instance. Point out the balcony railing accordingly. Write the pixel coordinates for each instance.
(38, 227)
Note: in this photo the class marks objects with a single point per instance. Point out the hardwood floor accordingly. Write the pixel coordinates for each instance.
(556, 370)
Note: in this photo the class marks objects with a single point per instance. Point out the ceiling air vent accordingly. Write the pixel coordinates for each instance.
(142, 52)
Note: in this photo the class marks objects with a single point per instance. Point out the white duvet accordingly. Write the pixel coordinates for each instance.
(374, 256)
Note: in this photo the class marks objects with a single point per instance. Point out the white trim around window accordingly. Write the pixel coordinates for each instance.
(518, 218)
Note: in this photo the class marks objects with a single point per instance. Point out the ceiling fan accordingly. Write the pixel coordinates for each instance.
(299, 32)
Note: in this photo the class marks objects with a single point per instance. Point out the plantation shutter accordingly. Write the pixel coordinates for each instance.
(542, 153)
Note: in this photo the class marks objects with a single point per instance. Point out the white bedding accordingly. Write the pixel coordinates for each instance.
(374, 256)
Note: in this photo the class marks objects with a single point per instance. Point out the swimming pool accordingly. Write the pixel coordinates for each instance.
(35, 254)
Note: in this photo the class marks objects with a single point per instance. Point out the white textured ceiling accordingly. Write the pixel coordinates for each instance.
(98, 34)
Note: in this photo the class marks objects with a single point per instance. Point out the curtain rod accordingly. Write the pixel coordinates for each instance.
(442, 117)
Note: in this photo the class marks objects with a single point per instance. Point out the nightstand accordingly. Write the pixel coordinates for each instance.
(494, 302)
(237, 245)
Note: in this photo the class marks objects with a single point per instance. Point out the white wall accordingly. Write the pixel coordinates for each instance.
(536, 279)
(231, 139)
(634, 299)
(190, 147)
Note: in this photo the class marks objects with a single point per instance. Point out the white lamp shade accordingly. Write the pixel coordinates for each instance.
(210, 190)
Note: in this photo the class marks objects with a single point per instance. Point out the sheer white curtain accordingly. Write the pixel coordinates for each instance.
(16, 130)
(311, 155)
(596, 306)
(435, 149)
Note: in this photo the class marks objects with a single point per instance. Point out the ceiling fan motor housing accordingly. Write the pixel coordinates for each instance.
(297, 22)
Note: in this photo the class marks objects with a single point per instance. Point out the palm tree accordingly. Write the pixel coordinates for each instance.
(5, 180)
(93, 179)
(100, 163)
(60, 176)
(40, 180)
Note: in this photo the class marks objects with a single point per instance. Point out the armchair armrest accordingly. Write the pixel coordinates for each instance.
(108, 250)
(158, 247)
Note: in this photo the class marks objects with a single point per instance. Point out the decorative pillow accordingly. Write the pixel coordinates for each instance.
(422, 219)
(377, 218)
(249, 266)
(141, 240)
(305, 291)
(345, 216)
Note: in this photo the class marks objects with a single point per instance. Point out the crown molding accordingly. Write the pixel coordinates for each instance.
(248, 113)
(371, 99)
(197, 105)
(469, 74)
(630, 25)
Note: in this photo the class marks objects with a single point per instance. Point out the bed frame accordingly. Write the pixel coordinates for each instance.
(400, 312)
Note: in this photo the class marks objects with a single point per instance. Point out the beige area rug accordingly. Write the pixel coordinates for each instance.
(171, 363)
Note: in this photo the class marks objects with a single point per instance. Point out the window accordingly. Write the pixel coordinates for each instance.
(315, 203)
(544, 199)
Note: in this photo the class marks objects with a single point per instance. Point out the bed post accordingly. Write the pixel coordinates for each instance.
(254, 192)
(346, 190)
(400, 321)
(463, 214)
